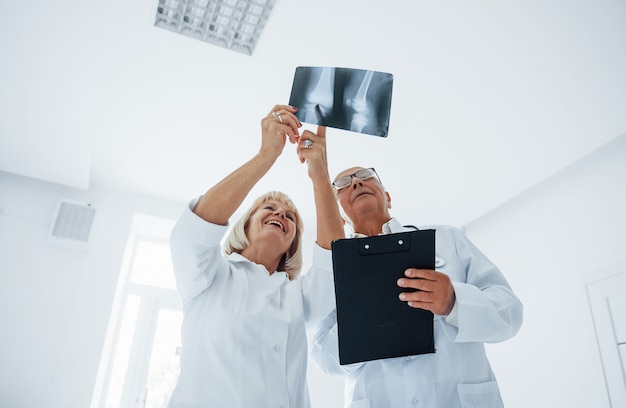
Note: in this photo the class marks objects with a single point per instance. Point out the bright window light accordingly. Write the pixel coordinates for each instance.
(140, 359)
(232, 24)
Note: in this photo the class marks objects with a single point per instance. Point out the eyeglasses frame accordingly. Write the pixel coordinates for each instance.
(355, 175)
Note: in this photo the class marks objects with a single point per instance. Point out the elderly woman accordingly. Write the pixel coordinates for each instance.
(243, 336)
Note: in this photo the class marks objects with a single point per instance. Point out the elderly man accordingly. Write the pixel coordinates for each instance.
(471, 301)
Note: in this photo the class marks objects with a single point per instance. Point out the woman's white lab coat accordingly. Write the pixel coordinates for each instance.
(243, 336)
(458, 374)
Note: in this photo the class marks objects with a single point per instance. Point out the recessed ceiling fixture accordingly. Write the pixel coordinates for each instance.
(233, 24)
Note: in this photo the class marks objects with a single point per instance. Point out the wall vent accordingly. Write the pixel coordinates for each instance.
(72, 223)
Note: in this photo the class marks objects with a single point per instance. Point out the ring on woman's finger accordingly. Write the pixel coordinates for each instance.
(307, 143)
(279, 118)
(275, 114)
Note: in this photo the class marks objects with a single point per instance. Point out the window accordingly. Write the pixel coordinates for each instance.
(140, 361)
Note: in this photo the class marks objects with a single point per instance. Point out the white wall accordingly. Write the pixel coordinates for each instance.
(55, 301)
(549, 242)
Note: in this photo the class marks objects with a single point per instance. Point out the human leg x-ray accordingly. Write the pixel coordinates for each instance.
(317, 102)
(359, 106)
(352, 99)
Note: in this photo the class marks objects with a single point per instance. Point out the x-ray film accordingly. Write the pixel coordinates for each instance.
(344, 98)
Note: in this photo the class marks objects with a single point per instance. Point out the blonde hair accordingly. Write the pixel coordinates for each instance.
(237, 239)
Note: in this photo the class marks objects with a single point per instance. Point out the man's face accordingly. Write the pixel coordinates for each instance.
(362, 197)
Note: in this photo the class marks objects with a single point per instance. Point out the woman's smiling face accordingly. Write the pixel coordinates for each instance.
(275, 221)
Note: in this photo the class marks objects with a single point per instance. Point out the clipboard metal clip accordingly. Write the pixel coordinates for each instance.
(375, 245)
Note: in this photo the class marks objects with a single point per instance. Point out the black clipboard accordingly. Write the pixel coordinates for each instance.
(372, 322)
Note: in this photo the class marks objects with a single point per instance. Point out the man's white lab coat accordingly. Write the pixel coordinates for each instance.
(458, 374)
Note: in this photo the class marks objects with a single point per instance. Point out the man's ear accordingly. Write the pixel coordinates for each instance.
(388, 199)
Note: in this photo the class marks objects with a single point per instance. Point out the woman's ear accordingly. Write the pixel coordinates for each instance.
(388, 199)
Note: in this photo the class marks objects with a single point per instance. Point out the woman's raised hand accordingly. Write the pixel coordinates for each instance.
(281, 123)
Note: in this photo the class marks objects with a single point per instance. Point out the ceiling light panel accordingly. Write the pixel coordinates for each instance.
(232, 24)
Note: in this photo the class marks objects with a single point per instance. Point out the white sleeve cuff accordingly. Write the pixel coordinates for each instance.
(453, 317)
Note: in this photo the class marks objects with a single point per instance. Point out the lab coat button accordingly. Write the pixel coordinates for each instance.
(439, 262)
(414, 402)
(407, 359)
(277, 348)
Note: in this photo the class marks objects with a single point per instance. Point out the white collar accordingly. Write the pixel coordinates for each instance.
(390, 227)
(237, 257)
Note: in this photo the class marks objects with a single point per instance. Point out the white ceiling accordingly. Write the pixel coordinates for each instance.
(490, 97)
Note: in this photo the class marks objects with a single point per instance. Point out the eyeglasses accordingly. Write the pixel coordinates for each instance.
(364, 174)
